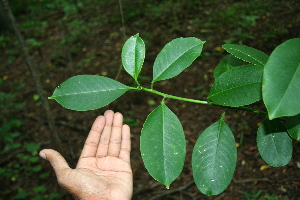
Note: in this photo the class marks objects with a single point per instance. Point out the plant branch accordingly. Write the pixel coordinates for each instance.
(198, 101)
(124, 35)
(32, 70)
(175, 97)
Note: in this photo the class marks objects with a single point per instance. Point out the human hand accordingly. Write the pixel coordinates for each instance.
(103, 170)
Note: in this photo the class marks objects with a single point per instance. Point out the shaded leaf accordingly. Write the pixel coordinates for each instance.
(246, 53)
(163, 145)
(227, 63)
(88, 92)
(274, 144)
(293, 126)
(31, 147)
(281, 80)
(214, 159)
(238, 86)
(175, 57)
(133, 55)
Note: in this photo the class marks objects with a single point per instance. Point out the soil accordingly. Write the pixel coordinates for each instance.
(104, 41)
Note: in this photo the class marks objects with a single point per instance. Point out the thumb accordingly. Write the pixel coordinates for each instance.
(57, 161)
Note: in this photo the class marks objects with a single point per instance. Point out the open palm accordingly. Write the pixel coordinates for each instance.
(103, 170)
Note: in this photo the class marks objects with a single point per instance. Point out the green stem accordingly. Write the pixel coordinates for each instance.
(174, 97)
(197, 101)
(223, 114)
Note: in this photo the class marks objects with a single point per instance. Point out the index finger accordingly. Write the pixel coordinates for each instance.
(92, 141)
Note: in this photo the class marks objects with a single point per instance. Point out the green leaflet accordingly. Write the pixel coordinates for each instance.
(163, 145)
(175, 57)
(281, 80)
(293, 126)
(88, 92)
(274, 144)
(214, 159)
(238, 86)
(247, 54)
(133, 55)
(226, 64)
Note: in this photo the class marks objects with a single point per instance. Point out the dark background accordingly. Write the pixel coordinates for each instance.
(67, 38)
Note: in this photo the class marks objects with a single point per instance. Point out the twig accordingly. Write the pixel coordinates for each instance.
(124, 36)
(173, 191)
(32, 71)
(123, 21)
(250, 180)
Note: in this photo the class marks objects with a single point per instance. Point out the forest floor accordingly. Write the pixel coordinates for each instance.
(96, 49)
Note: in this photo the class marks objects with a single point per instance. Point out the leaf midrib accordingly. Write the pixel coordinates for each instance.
(234, 88)
(165, 69)
(247, 56)
(94, 91)
(285, 92)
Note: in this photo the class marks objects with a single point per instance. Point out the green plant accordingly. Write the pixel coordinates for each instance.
(252, 196)
(25, 155)
(9, 46)
(257, 195)
(273, 79)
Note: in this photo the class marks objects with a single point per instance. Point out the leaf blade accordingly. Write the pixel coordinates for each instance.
(163, 145)
(88, 92)
(246, 53)
(175, 57)
(133, 55)
(214, 159)
(274, 144)
(293, 126)
(227, 63)
(238, 86)
(281, 80)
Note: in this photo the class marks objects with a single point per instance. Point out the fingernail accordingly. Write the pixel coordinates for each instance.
(42, 155)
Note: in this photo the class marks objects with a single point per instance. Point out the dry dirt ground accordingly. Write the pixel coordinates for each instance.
(100, 47)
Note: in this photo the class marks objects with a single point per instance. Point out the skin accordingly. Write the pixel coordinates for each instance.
(103, 170)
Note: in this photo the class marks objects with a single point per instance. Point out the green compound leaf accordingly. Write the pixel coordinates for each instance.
(163, 145)
(247, 54)
(274, 144)
(88, 92)
(176, 56)
(226, 64)
(214, 159)
(293, 126)
(281, 80)
(133, 55)
(238, 86)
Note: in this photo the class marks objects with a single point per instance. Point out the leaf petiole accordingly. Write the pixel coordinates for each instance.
(197, 101)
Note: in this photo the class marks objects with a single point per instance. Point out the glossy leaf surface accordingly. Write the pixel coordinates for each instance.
(133, 55)
(238, 86)
(226, 64)
(293, 126)
(214, 159)
(281, 80)
(175, 57)
(163, 145)
(247, 54)
(274, 144)
(88, 92)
